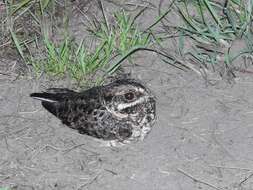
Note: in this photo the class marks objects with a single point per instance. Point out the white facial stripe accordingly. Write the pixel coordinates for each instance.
(140, 90)
(44, 99)
(126, 105)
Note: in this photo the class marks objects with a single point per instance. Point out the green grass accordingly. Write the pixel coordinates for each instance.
(68, 58)
(14, 28)
(79, 62)
(74, 60)
(4, 188)
(211, 28)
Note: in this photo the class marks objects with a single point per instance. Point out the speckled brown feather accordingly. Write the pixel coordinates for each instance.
(124, 109)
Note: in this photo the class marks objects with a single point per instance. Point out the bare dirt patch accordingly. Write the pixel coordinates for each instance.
(202, 139)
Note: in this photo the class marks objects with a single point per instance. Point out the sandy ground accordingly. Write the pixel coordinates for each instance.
(202, 139)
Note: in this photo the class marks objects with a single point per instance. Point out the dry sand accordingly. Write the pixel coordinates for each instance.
(202, 139)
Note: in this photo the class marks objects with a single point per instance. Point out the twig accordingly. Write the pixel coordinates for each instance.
(28, 112)
(138, 5)
(101, 6)
(112, 172)
(243, 181)
(91, 181)
(198, 180)
(160, 17)
(230, 168)
(77, 146)
(5, 44)
(72, 148)
(2, 73)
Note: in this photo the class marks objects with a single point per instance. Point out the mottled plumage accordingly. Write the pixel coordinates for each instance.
(123, 110)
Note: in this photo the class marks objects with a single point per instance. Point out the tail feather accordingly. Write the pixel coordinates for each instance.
(51, 102)
(46, 97)
(53, 94)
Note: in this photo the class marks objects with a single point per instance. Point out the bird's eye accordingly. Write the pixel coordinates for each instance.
(129, 96)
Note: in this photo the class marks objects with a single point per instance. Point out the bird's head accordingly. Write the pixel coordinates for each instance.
(128, 98)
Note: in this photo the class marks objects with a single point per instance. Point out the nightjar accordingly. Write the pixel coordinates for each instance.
(123, 110)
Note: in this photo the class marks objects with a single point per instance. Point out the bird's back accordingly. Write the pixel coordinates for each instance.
(121, 110)
(68, 105)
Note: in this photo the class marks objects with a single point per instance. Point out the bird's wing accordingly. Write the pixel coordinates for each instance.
(67, 105)
(69, 110)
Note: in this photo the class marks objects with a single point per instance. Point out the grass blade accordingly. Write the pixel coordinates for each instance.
(17, 44)
(212, 12)
(23, 3)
